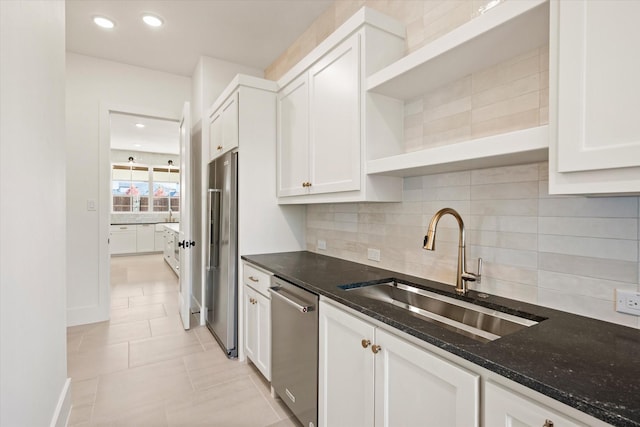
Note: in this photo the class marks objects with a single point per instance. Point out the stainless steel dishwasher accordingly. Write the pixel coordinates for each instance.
(294, 349)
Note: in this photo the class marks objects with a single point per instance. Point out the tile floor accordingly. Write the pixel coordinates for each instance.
(142, 368)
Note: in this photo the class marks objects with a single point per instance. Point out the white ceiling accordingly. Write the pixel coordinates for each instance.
(248, 32)
(157, 136)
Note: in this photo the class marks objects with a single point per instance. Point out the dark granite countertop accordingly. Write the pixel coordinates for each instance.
(590, 365)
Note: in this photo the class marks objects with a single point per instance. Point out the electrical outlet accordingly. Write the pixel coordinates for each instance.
(322, 245)
(628, 302)
(373, 254)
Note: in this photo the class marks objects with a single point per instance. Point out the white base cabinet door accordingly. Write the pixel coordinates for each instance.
(506, 408)
(145, 238)
(414, 387)
(368, 376)
(257, 309)
(122, 239)
(346, 370)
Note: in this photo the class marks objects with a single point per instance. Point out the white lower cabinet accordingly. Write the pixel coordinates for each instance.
(368, 376)
(503, 407)
(122, 239)
(257, 318)
(145, 237)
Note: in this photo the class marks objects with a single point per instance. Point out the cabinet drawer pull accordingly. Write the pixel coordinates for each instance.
(366, 343)
(547, 423)
(375, 348)
(219, 147)
(253, 279)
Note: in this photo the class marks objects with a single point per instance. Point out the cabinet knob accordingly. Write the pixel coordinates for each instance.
(375, 348)
(219, 147)
(366, 343)
(547, 423)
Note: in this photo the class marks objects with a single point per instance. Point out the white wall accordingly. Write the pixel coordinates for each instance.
(210, 77)
(93, 87)
(33, 365)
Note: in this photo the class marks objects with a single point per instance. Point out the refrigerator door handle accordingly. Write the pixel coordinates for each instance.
(213, 202)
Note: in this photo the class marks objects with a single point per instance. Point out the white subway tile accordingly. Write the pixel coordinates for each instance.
(617, 249)
(500, 191)
(580, 285)
(597, 207)
(526, 207)
(505, 174)
(612, 228)
(600, 268)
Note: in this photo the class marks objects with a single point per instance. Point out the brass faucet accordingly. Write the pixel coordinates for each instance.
(462, 276)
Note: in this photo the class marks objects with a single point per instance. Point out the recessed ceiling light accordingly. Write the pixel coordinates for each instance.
(103, 22)
(152, 20)
(139, 125)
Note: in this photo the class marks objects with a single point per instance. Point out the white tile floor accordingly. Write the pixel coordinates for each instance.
(142, 368)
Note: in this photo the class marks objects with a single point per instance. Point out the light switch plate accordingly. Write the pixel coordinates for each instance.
(628, 302)
(91, 204)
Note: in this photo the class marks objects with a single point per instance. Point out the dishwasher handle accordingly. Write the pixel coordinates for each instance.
(301, 306)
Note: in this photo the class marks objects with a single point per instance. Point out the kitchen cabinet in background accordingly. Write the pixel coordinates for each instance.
(159, 238)
(369, 376)
(122, 239)
(223, 127)
(326, 127)
(145, 237)
(257, 321)
(594, 102)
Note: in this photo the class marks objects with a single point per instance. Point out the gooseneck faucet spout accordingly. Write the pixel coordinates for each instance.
(462, 276)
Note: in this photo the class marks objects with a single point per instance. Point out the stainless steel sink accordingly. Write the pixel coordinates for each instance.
(477, 322)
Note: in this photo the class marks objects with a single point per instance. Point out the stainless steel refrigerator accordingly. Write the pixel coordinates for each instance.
(221, 293)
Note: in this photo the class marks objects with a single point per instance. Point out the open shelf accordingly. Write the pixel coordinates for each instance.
(503, 32)
(518, 147)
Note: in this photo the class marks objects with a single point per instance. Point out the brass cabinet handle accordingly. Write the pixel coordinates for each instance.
(306, 184)
(366, 343)
(253, 279)
(219, 147)
(547, 423)
(375, 348)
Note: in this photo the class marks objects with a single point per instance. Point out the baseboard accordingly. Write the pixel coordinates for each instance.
(63, 408)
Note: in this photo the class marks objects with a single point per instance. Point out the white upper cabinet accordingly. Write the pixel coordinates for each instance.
(594, 102)
(223, 127)
(293, 137)
(334, 140)
(323, 139)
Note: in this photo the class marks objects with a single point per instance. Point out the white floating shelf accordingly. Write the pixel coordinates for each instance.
(518, 147)
(508, 30)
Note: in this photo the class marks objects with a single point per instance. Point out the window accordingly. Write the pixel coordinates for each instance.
(130, 188)
(137, 188)
(166, 189)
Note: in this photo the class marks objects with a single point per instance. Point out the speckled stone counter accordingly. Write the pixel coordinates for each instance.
(587, 364)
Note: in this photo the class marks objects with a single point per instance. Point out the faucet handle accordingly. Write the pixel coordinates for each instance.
(474, 277)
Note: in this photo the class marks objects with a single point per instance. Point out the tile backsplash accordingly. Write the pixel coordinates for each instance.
(564, 252)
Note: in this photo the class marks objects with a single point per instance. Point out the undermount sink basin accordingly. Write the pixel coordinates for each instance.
(477, 322)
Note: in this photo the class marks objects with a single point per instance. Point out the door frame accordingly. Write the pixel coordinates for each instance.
(102, 311)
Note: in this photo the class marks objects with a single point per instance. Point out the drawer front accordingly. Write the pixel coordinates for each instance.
(121, 228)
(258, 279)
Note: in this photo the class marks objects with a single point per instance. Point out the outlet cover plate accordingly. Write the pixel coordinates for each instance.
(373, 254)
(628, 302)
(322, 245)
